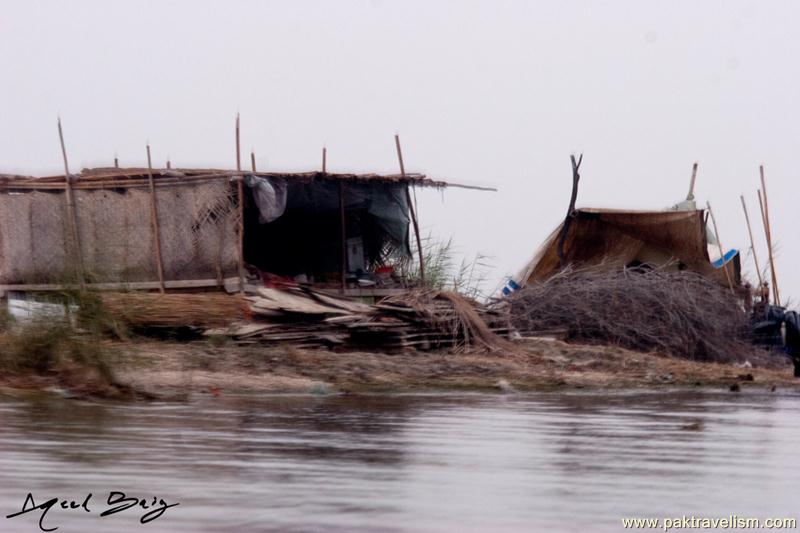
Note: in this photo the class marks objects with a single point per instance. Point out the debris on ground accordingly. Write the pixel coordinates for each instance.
(312, 318)
(421, 319)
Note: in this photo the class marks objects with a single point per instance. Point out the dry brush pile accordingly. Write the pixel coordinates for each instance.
(455, 319)
(675, 313)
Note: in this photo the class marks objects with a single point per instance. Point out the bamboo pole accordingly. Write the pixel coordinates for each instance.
(154, 222)
(253, 160)
(71, 210)
(752, 243)
(719, 245)
(690, 196)
(240, 188)
(343, 229)
(411, 211)
(761, 208)
(238, 146)
(764, 225)
(324, 160)
(768, 231)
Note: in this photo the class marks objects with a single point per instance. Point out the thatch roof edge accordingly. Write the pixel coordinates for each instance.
(105, 177)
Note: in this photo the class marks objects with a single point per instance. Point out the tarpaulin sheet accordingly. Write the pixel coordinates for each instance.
(385, 202)
(618, 238)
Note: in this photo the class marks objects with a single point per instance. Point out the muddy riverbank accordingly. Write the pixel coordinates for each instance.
(173, 369)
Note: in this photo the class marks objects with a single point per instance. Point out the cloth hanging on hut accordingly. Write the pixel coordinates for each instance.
(270, 197)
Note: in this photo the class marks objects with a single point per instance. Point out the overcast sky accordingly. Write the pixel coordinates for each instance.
(494, 93)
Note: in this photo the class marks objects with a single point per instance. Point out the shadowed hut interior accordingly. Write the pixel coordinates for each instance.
(293, 228)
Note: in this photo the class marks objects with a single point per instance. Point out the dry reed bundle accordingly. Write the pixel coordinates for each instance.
(449, 313)
(467, 323)
(676, 313)
(174, 310)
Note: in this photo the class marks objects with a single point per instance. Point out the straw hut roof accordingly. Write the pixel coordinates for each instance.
(112, 177)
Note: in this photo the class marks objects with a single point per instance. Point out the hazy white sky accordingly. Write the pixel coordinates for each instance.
(496, 93)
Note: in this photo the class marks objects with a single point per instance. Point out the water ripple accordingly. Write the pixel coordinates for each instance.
(471, 462)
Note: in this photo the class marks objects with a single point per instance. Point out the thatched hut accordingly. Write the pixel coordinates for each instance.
(109, 228)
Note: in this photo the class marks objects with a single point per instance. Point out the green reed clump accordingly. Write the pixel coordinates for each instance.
(48, 345)
(443, 272)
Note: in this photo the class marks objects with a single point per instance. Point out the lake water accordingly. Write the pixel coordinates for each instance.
(466, 462)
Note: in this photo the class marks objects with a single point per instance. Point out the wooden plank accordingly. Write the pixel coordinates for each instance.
(374, 292)
(275, 299)
(134, 285)
(344, 319)
(349, 305)
(241, 330)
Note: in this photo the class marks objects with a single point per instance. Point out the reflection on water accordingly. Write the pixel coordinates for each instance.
(559, 462)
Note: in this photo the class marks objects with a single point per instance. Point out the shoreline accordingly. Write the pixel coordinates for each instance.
(167, 370)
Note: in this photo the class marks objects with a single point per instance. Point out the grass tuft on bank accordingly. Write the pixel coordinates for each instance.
(45, 347)
(73, 351)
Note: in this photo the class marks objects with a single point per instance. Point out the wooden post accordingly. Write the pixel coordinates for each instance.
(240, 187)
(72, 215)
(411, 211)
(154, 222)
(690, 196)
(324, 160)
(400, 155)
(343, 228)
(253, 160)
(752, 243)
(764, 225)
(719, 245)
(576, 177)
(238, 146)
(768, 231)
